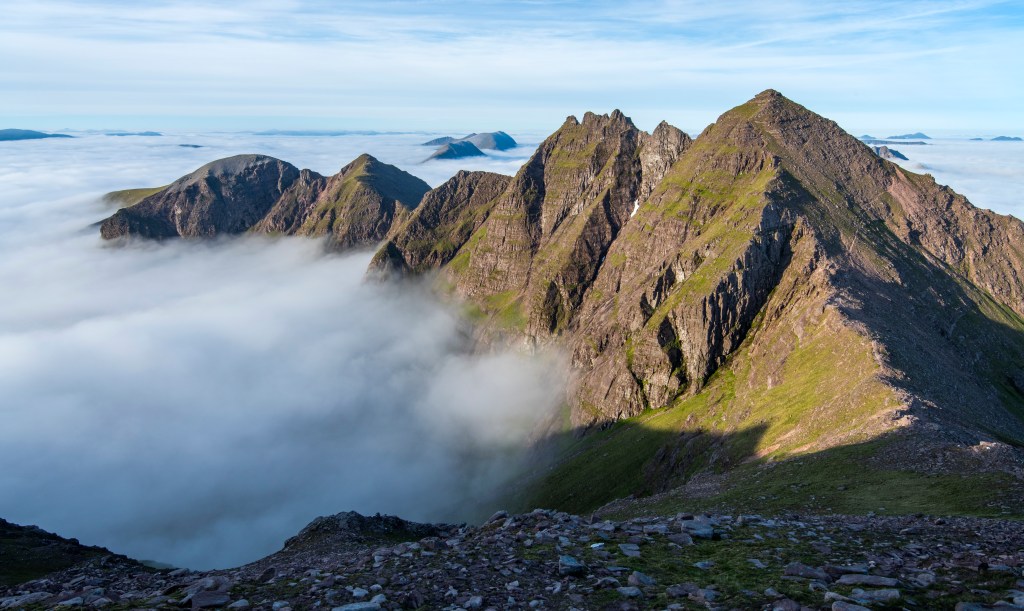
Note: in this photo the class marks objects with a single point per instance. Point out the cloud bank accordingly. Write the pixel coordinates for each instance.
(990, 174)
(198, 403)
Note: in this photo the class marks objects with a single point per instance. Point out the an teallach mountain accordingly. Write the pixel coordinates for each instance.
(768, 317)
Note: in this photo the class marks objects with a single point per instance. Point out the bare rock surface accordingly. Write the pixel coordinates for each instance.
(553, 560)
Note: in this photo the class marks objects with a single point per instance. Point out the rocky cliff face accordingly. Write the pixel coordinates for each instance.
(441, 224)
(260, 194)
(530, 261)
(223, 197)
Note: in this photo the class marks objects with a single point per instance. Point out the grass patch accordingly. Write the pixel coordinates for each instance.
(129, 197)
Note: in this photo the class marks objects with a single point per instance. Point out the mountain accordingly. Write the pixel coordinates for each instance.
(563, 208)
(913, 136)
(457, 149)
(1007, 139)
(499, 141)
(887, 153)
(444, 220)
(27, 134)
(260, 194)
(769, 293)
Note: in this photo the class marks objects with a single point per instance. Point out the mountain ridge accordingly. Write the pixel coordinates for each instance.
(770, 292)
(747, 290)
(260, 194)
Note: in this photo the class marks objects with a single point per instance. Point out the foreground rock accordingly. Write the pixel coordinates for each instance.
(552, 560)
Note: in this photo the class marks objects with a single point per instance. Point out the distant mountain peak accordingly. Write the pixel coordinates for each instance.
(261, 194)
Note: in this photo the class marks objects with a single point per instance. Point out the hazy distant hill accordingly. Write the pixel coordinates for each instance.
(913, 136)
(457, 149)
(27, 134)
(470, 146)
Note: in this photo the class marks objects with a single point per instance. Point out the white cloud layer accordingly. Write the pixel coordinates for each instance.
(198, 403)
(990, 174)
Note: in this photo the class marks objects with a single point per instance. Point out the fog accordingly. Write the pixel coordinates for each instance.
(198, 403)
(990, 174)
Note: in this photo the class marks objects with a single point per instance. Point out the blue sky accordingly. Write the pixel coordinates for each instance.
(393, 65)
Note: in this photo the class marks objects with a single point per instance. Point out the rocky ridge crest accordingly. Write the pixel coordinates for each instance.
(260, 194)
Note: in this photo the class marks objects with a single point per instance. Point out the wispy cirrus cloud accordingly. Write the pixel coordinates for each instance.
(412, 64)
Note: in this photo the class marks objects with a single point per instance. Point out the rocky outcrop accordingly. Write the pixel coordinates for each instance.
(351, 529)
(659, 150)
(444, 221)
(28, 552)
(887, 153)
(260, 194)
(531, 260)
(7, 135)
(359, 204)
(554, 560)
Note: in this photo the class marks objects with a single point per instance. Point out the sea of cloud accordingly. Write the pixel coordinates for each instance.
(990, 174)
(198, 403)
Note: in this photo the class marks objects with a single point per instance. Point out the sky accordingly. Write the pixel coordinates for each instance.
(484, 65)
